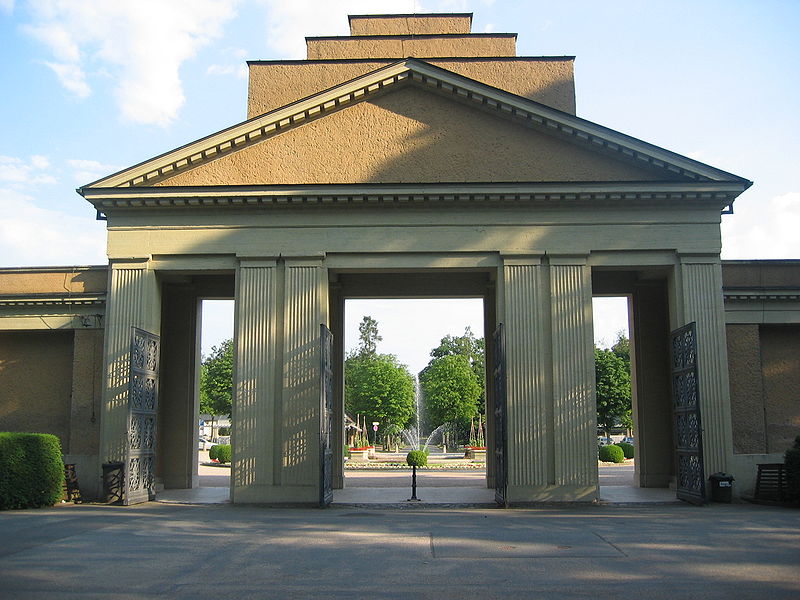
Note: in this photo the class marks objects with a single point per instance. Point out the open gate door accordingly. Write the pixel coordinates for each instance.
(500, 431)
(326, 417)
(140, 450)
(686, 410)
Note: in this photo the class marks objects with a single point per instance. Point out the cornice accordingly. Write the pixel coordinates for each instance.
(52, 300)
(104, 199)
(746, 294)
(416, 72)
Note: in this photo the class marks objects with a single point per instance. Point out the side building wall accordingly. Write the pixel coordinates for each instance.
(51, 357)
(762, 313)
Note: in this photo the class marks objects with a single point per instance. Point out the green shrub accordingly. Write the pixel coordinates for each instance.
(627, 449)
(31, 470)
(347, 450)
(792, 461)
(222, 452)
(417, 458)
(611, 453)
(212, 452)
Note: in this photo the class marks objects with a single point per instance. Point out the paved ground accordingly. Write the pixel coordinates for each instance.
(224, 551)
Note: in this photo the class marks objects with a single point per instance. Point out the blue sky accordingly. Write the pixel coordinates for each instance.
(93, 86)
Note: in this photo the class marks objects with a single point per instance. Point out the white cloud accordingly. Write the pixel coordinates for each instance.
(17, 172)
(34, 236)
(288, 23)
(759, 230)
(140, 43)
(86, 171)
(239, 71)
(7, 6)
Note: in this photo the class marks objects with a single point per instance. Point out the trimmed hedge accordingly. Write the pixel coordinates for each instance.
(417, 458)
(31, 470)
(222, 452)
(627, 449)
(611, 453)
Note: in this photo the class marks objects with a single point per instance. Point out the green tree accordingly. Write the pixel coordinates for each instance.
(450, 390)
(368, 337)
(216, 381)
(380, 389)
(613, 381)
(474, 350)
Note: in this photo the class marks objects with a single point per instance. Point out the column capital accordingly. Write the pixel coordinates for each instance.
(699, 259)
(517, 259)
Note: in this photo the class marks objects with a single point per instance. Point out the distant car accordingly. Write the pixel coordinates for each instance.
(204, 444)
(604, 441)
(627, 440)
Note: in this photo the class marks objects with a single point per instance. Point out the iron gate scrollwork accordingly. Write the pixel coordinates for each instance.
(140, 450)
(686, 409)
(326, 417)
(500, 431)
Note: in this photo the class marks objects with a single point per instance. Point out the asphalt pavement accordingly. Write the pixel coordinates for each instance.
(730, 551)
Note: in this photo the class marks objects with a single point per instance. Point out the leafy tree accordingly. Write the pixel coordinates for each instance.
(380, 389)
(451, 391)
(368, 337)
(613, 381)
(474, 350)
(216, 381)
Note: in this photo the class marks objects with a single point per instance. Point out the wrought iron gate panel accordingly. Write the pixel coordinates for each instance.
(326, 417)
(140, 451)
(500, 431)
(686, 410)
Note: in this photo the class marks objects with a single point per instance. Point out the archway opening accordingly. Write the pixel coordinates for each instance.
(421, 334)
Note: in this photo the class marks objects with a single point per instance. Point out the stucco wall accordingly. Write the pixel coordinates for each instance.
(780, 356)
(746, 381)
(36, 382)
(550, 81)
(409, 135)
(53, 280)
(406, 24)
(404, 46)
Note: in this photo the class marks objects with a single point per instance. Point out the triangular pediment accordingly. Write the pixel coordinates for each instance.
(413, 122)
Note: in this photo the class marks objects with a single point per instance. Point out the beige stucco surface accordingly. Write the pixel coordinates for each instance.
(409, 135)
(36, 382)
(405, 46)
(407, 24)
(746, 380)
(53, 280)
(275, 84)
(780, 349)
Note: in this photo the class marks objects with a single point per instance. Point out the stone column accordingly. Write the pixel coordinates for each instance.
(528, 402)
(257, 382)
(700, 300)
(133, 301)
(279, 307)
(305, 300)
(574, 404)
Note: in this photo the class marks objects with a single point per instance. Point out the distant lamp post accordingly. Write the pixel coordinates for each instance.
(375, 432)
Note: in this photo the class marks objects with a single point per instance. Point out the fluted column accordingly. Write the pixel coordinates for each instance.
(257, 385)
(528, 410)
(279, 307)
(304, 302)
(133, 301)
(574, 405)
(702, 302)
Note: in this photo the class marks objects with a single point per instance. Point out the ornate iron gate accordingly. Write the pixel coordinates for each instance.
(140, 452)
(686, 408)
(500, 432)
(326, 417)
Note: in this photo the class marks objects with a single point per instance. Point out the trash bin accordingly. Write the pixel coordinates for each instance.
(112, 482)
(721, 487)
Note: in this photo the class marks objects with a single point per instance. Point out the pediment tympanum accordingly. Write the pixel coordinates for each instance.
(412, 122)
(409, 135)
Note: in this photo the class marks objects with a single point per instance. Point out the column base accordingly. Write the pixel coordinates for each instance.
(274, 494)
(552, 493)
